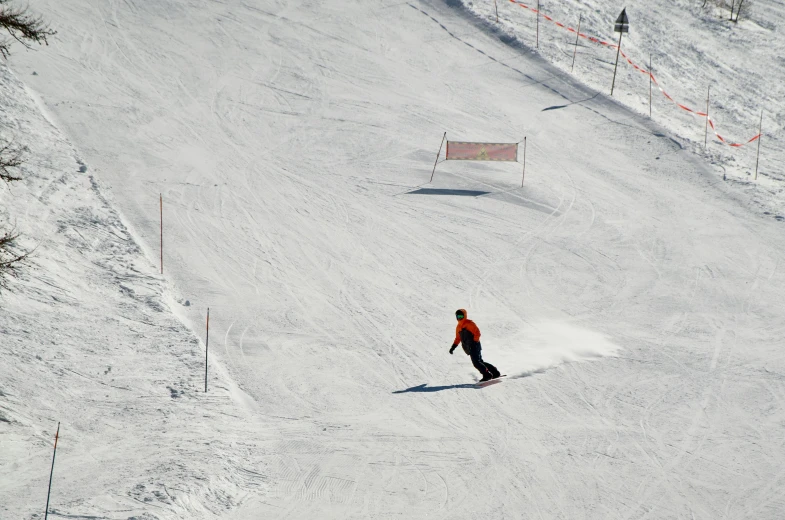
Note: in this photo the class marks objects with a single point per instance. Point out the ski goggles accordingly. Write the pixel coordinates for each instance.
(459, 316)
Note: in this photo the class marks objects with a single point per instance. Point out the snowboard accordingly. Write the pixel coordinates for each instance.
(482, 384)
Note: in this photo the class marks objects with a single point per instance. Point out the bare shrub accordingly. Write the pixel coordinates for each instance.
(22, 26)
(12, 257)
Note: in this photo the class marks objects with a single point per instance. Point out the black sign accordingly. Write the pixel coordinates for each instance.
(622, 22)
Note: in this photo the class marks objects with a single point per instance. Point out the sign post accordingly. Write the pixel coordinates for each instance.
(622, 26)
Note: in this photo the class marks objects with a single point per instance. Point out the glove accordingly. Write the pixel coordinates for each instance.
(452, 348)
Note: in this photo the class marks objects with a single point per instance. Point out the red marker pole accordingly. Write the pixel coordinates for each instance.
(49, 492)
(161, 200)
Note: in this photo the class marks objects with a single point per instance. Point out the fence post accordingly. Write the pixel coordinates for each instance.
(706, 134)
(538, 24)
(760, 138)
(577, 34)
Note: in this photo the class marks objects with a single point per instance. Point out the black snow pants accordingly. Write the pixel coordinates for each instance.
(484, 367)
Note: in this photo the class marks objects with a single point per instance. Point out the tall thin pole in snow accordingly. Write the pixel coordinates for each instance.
(161, 205)
(577, 34)
(538, 24)
(706, 135)
(650, 78)
(523, 176)
(618, 50)
(497, 11)
(438, 154)
(760, 138)
(46, 514)
(206, 346)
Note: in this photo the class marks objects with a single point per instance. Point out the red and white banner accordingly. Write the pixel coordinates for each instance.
(458, 151)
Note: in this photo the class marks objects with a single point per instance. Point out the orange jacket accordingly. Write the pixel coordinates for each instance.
(469, 326)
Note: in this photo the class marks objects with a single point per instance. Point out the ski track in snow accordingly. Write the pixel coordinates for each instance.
(632, 297)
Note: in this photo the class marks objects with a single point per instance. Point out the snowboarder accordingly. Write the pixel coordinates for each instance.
(468, 335)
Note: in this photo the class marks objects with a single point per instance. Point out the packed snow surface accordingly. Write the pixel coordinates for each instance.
(630, 292)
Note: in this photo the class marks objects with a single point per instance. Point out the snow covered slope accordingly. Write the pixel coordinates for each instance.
(292, 144)
(87, 339)
(692, 46)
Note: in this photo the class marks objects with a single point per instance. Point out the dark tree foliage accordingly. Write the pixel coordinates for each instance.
(22, 26)
(10, 157)
(11, 257)
(743, 8)
(25, 28)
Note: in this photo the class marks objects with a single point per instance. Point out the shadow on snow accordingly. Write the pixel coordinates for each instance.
(437, 191)
(425, 388)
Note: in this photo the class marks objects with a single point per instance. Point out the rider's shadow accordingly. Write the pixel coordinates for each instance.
(424, 388)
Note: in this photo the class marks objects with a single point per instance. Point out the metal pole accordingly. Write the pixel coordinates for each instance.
(161, 205)
(206, 346)
(650, 78)
(618, 50)
(524, 162)
(46, 514)
(706, 135)
(760, 138)
(576, 42)
(437, 156)
(497, 10)
(538, 24)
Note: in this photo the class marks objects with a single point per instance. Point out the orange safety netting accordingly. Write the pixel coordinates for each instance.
(639, 69)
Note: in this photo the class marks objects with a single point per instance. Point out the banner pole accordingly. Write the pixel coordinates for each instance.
(576, 42)
(206, 346)
(523, 175)
(760, 138)
(437, 156)
(54, 453)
